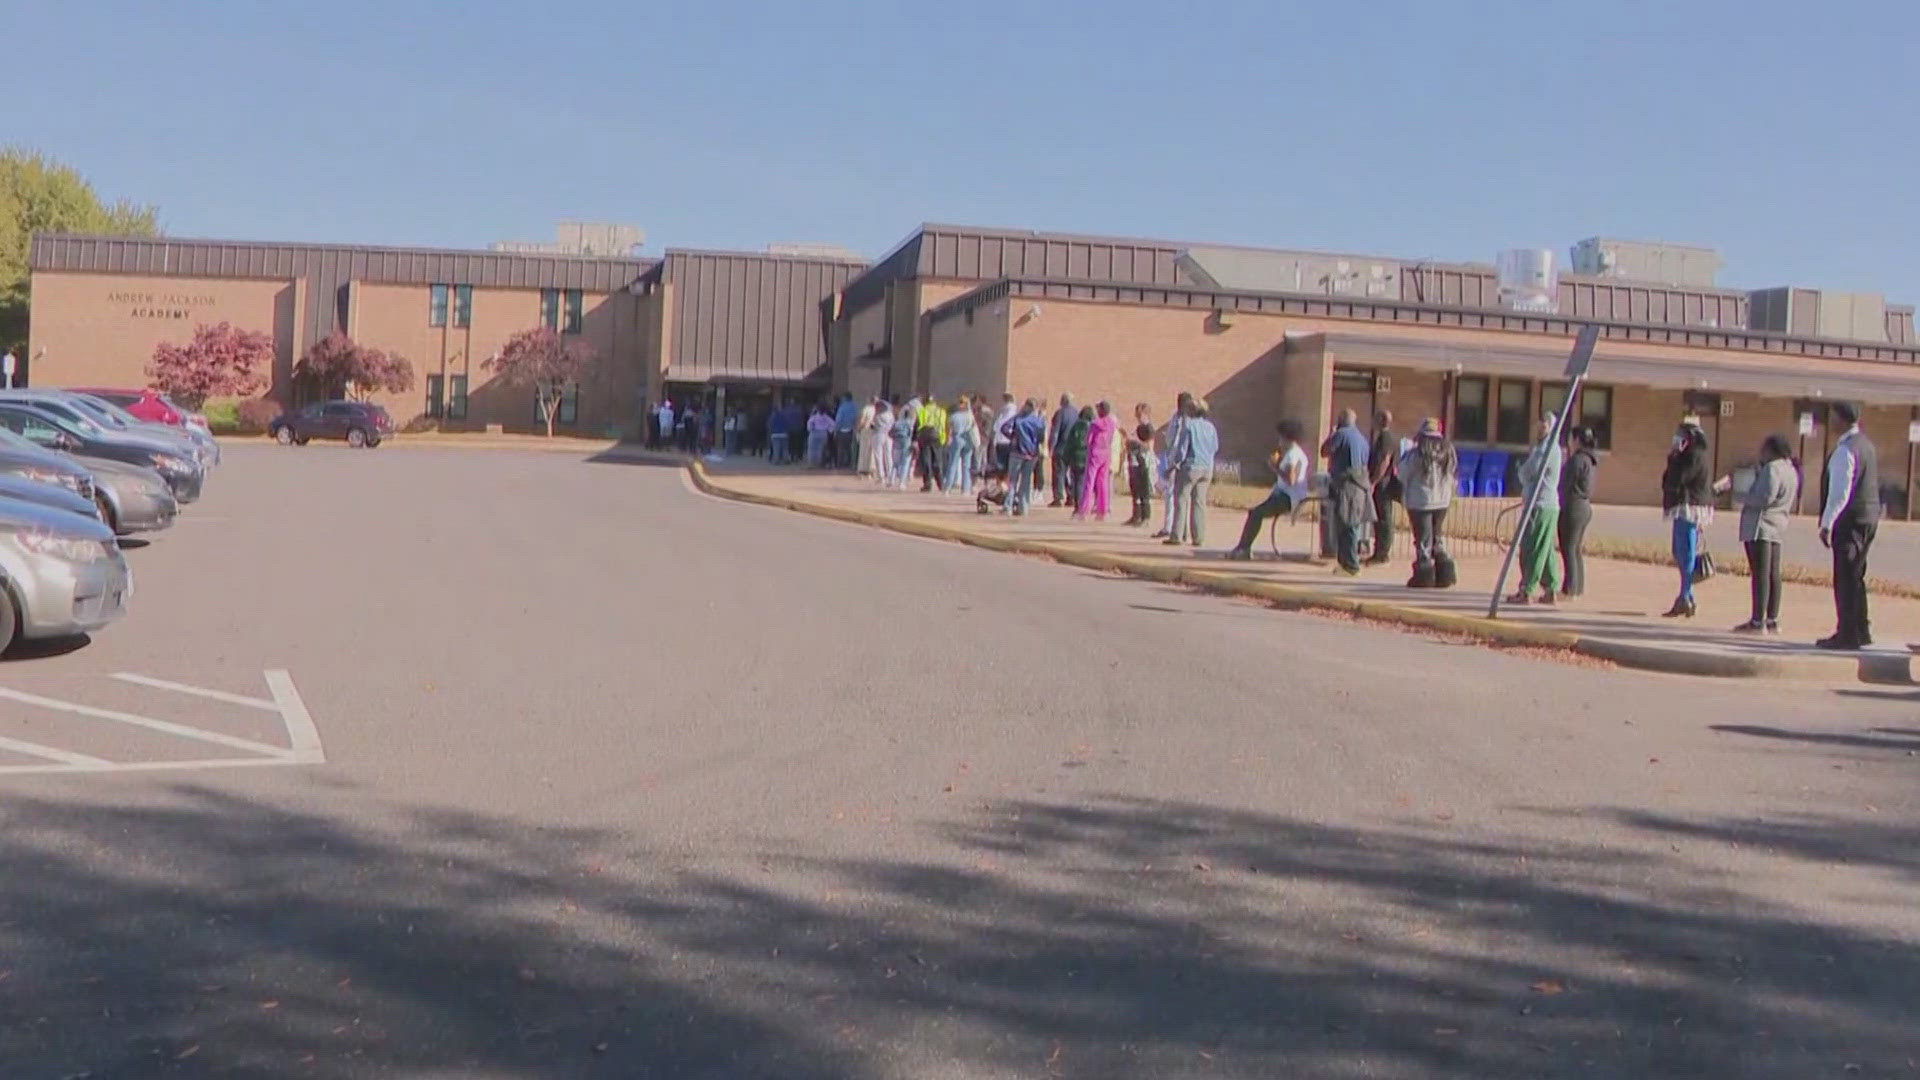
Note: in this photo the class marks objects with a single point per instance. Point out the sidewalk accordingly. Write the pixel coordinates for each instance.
(1618, 619)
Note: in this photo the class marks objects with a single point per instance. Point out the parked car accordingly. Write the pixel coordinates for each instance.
(358, 422)
(86, 412)
(130, 498)
(26, 460)
(199, 440)
(149, 405)
(49, 495)
(56, 432)
(63, 574)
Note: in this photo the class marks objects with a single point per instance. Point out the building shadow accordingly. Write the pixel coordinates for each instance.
(1821, 738)
(1112, 937)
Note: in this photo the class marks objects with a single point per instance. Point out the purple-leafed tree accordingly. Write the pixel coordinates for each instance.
(545, 361)
(336, 364)
(221, 360)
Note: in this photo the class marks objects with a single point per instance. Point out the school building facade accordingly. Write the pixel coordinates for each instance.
(1261, 333)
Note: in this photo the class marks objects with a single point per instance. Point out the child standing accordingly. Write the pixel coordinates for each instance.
(1140, 474)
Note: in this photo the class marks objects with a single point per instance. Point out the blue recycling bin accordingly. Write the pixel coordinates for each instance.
(1468, 472)
(1491, 476)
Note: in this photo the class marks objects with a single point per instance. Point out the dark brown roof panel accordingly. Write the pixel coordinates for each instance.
(746, 315)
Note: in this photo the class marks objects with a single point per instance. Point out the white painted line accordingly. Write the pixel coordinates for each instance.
(148, 766)
(216, 695)
(20, 746)
(148, 722)
(301, 732)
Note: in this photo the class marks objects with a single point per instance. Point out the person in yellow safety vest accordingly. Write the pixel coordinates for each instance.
(930, 434)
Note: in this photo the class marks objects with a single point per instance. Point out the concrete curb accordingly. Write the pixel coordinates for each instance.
(1866, 667)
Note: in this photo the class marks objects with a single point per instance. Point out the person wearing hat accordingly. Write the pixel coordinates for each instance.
(1576, 509)
(1850, 515)
(1191, 462)
(1541, 468)
(1427, 475)
(1686, 498)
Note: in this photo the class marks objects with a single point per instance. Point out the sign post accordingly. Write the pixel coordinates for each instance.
(7, 366)
(1576, 374)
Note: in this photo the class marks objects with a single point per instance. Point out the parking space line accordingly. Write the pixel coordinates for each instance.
(215, 695)
(302, 735)
(157, 725)
(66, 757)
(150, 766)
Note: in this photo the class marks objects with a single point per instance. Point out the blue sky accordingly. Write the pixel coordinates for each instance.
(1781, 134)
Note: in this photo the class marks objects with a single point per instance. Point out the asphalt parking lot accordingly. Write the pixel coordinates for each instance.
(447, 763)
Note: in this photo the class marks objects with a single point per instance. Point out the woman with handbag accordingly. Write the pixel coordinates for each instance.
(1686, 498)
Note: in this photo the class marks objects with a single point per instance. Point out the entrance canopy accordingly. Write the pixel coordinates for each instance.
(1867, 381)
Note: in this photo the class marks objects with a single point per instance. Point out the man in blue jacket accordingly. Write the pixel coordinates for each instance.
(1028, 433)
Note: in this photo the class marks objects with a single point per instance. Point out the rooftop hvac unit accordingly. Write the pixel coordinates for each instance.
(1527, 280)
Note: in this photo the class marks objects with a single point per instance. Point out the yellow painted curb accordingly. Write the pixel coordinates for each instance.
(1869, 667)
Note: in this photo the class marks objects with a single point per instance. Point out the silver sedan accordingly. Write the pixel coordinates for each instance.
(64, 574)
(131, 498)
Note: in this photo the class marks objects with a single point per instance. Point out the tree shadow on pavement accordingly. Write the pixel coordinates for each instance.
(1823, 738)
(1117, 938)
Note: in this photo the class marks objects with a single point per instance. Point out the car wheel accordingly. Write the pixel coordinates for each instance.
(284, 436)
(356, 438)
(106, 514)
(300, 441)
(373, 442)
(9, 621)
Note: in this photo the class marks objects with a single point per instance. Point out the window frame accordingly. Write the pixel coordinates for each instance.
(456, 397)
(573, 319)
(1460, 432)
(550, 309)
(1603, 429)
(437, 304)
(462, 306)
(1500, 432)
(436, 389)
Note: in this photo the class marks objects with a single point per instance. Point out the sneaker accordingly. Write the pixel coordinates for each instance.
(1171, 541)
(1751, 626)
(1519, 599)
(1837, 643)
(1547, 598)
(1161, 535)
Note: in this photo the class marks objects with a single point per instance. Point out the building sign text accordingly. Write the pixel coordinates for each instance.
(145, 305)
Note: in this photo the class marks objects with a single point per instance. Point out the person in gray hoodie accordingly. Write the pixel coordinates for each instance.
(1542, 466)
(1427, 475)
(1764, 507)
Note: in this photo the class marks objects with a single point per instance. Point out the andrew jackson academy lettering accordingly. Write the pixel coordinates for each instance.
(159, 305)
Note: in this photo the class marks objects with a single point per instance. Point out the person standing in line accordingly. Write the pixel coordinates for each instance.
(1140, 466)
(1428, 474)
(1193, 456)
(929, 434)
(1542, 467)
(1075, 457)
(880, 442)
(667, 430)
(863, 439)
(777, 435)
(1576, 509)
(905, 419)
(1686, 498)
(1383, 454)
(1058, 429)
(963, 437)
(1096, 486)
(1002, 435)
(1764, 507)
(1349, 487)
(1027, 436)
(846, 417)
(1849, 518)
(1293, 473)
(820, 436)
(1169, 434)
(731, 428)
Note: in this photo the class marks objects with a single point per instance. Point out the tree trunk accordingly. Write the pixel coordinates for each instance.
(550, 408)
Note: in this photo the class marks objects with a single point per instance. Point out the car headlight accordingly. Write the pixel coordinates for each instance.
(167, 463)
(70, 481)
(72, 549)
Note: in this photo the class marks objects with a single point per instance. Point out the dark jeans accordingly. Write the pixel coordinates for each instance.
(1062, 479)
(929, 455)
(1276, 504)
(1575, 516)
(1346, 545)
(1763, 562)
(1140, 486)
(1427, 539)
(1382, 525)
(1851, 540)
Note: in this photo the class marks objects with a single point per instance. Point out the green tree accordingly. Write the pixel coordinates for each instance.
(38, 194)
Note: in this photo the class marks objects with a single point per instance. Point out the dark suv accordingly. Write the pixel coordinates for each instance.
(359, 423)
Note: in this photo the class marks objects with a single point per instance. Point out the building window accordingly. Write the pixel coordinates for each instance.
(1553, 395)
(550, 308)
(457, 397)
(1596, 412)
(576, 311)
(1470, 409)
(463, 305)
(437, 306)
(436, 390)
(1511, 426)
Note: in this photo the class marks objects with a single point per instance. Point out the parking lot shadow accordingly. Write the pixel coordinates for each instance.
(1113, 938)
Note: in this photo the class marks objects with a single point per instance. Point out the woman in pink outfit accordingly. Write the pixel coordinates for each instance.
(1097, 489)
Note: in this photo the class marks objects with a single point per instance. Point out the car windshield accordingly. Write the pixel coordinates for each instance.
(119, 416)
(94, 409)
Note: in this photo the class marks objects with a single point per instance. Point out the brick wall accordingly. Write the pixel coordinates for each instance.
(101, 329)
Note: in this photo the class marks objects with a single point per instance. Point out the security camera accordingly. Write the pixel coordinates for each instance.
(1033, 311)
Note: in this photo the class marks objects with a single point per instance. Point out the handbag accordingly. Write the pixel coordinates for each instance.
(1703, 567)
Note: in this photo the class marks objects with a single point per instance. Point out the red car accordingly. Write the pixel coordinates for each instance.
(149, 405)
